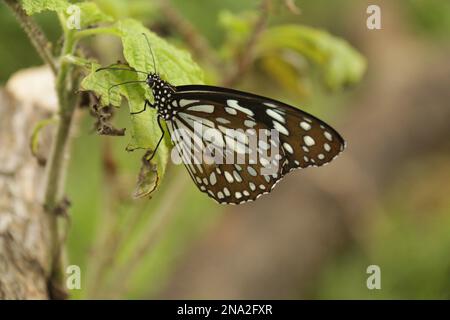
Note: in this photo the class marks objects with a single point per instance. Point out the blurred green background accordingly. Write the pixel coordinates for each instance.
(385, 202)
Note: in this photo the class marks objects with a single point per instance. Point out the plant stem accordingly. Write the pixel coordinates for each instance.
(57, 166)
(34, 33)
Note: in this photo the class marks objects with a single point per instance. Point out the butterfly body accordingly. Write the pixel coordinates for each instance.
(303, 140)
(163, 96)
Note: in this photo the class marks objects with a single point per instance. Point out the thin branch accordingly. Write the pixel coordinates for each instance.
(198, 44)
(34, 33)
(292, 7)
(245, 57)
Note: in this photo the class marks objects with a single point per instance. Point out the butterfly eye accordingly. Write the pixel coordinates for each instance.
(150, 81)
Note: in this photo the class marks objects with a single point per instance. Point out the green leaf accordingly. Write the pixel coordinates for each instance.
(145, 132)
(339, 63)
(36, 6)
(91, 14)
(174, 65)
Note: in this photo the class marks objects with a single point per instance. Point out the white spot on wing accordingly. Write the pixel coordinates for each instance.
(249, 123)
(229, 177)
(275, 115)
(231, 111)
(280, 128)
(222, 120)
(305, 125)
(251, 171)
(309, 141)
(208, 108)
(328, 135)
(212, 178)
(234, 104)
(185, 102)
(237, 177)
(288, 148)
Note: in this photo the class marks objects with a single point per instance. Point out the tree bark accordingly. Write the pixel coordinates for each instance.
(25, 259)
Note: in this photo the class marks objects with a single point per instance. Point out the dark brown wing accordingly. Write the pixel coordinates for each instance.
(265, 138)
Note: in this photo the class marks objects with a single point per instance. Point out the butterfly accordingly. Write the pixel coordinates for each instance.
(235, 119)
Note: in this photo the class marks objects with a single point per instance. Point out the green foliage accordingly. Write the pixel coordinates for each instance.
(286, 51)
(37, 6)
(143, 10)
(172, 63)
(430, 16)
(91, 14)
(340, 65)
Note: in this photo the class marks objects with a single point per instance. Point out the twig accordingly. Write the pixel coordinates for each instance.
(245, 57)
(34, 33)
(198, 44)
(292, 7)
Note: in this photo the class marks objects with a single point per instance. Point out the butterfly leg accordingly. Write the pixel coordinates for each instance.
(146, 104)
(160, 139)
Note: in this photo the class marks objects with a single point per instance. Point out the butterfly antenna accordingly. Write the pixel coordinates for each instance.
(123, 83)
(151, 51)
(121, 69)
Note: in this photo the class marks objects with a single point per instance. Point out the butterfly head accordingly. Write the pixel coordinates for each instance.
(153, 80)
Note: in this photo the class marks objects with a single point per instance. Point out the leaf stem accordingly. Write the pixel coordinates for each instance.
(96, 31)
(34, 33)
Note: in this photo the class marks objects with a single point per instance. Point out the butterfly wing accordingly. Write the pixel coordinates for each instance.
(303, 140)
